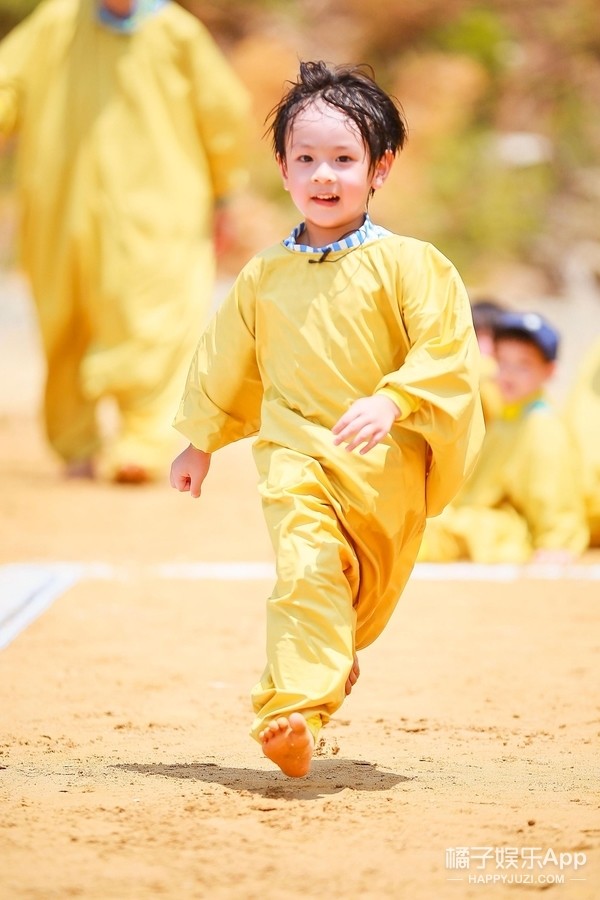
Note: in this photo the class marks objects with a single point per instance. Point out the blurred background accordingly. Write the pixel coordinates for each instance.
(502, 166)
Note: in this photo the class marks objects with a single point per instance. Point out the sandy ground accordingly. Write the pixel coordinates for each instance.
(467, 754)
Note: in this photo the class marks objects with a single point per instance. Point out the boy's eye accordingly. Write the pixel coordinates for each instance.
(305, 158)
(344, 159)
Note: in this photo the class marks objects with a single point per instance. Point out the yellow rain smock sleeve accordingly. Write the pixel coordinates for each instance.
(19, 52)
(223, 393)
(436, 388)
(223, 109)
(491, 398)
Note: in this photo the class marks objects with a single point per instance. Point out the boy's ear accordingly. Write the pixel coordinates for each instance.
(382, 170)
(283, 169)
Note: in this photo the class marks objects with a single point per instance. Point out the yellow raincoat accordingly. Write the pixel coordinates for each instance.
(583, 415)
(125, 142)
(525, 494)
(293, 345)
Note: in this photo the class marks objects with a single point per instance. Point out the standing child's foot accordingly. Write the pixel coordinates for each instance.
(131, 473)
(289, 744)
(353, 676)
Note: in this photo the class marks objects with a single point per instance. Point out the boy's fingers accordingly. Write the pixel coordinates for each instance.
(181, 482)
(339, 425)
(347, 426)
(348, 419)
(364, 435)
(369, 446)
(346, 437)
(369, 436)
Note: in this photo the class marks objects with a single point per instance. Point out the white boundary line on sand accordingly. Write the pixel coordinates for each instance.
(504, 572)
(28, 589)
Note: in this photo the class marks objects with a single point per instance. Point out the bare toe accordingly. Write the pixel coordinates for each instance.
(273, 729)
(289, 743)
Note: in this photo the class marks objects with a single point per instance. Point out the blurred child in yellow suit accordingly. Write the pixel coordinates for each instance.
(583, 414)
(343, 337)
(524, 499)
(131, 128)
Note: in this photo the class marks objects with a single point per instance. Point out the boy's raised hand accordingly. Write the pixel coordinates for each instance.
(189, 470)
(366, 422)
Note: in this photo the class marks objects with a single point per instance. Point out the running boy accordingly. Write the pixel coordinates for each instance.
(343, 337)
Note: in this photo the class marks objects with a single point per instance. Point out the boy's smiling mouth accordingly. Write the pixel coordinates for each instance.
(326, 198)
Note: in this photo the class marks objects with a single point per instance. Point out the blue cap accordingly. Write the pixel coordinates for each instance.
(532, 327)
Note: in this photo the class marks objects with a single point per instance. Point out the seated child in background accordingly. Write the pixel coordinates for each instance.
(485, 315)
(524, 500)
(583, 417)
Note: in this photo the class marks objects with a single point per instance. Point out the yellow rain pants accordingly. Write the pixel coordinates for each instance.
(525, 494)
(583, 415)
(291, 348)
(125, 143)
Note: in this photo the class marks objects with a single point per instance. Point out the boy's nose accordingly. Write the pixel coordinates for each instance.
(323, 172)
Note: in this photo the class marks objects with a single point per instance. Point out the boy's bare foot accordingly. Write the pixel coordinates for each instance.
(353, 676)
(289, 744)
(79, 468)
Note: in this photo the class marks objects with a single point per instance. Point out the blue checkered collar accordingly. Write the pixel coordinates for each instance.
(367, 232)
(141, 10)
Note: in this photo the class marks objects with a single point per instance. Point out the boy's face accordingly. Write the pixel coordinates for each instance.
(328, 172)
(522, 369)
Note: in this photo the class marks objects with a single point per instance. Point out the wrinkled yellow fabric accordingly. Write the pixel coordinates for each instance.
(293, 345)
(491, 398)
(583, 416)
(525, 494)
(125, 141)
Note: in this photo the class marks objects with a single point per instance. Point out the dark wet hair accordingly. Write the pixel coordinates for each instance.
(378, 117)
(486, 313)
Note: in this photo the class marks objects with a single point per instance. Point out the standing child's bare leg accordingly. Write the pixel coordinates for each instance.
(288, 742)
